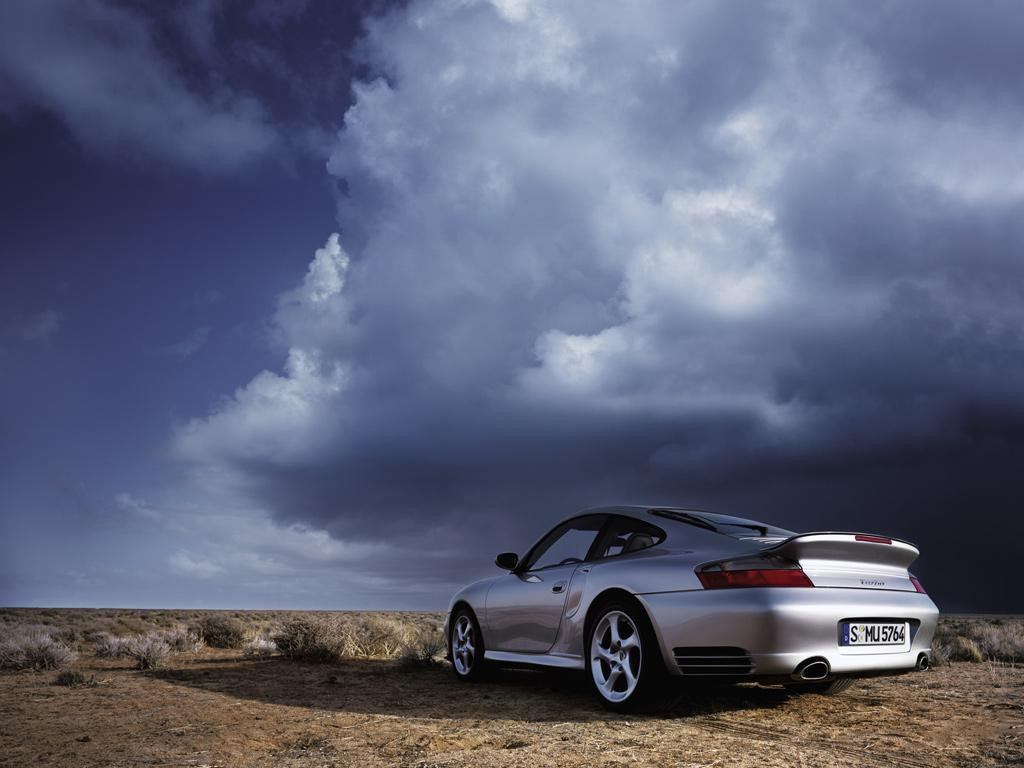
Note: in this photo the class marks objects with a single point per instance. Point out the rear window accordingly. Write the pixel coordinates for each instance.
(737, 527)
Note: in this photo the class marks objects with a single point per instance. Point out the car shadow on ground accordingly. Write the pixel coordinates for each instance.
(387, 688)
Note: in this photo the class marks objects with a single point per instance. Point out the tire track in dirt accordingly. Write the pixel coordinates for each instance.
(801, 742)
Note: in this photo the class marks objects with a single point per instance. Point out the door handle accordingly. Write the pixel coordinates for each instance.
(558, 587)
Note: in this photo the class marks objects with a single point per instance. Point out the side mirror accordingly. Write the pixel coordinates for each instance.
(507, 561)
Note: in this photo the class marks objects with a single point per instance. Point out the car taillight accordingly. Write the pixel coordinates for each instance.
(917, 585)
(753, 572)
(760, 578)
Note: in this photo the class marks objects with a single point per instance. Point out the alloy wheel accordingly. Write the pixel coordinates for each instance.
(463, 645)
(615, 656)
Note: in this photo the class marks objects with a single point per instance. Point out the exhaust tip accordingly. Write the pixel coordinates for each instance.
(812, 669)
(923, 662)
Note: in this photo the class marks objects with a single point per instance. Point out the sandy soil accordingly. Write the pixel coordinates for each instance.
(216, 708)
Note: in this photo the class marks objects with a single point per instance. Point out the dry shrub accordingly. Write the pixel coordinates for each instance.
(110, 647)
(308, 639)
(1002, 641)
(964, 649)
(149, 651)
(959, 639)
(260, 647)
(221, 632)
(422, 647)
(65, 635)
(75, 680)
(33, 647)
(181, 640)
(331, 638)
(376, 637)
(93, 635)
(129, 625)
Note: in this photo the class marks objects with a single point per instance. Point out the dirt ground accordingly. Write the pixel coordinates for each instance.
(216, 708)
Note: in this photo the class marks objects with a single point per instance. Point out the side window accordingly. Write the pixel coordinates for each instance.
(569, 543)
(625, 535)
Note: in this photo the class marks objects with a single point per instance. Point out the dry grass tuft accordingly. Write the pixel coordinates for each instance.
(331, 638)
(75, 680)
(423, 647)
(964, 649)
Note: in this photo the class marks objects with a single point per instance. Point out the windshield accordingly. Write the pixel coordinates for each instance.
(737, 527)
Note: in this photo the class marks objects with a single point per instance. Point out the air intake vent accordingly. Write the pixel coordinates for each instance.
(713, 660)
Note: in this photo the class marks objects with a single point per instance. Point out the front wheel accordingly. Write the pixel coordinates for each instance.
(466, 646)
(624, 663)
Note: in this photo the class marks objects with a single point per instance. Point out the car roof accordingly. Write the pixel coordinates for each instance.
(645, 512)
(639, 511)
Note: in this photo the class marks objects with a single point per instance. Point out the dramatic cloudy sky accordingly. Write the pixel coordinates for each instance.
(312, 306)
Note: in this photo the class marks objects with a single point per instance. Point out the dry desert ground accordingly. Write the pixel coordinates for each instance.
(220, 707)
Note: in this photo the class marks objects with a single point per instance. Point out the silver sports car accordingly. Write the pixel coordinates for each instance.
(634, 595)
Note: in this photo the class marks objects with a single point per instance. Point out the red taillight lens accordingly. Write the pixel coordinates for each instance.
(873, 539)
(789, 577)
(917, 585)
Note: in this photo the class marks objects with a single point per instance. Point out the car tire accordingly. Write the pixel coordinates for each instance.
(824, 688)
(466, 646)
(623, 660)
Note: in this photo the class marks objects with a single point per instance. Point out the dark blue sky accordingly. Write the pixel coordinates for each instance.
(318, 305)
(151, 281)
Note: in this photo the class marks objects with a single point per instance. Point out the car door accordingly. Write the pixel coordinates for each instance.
(524, 608)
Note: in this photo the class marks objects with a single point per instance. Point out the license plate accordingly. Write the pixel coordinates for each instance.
(857, 633)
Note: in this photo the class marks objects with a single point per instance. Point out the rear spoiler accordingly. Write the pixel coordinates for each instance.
(847, 547)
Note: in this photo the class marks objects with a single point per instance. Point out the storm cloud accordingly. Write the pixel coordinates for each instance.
(766, 260)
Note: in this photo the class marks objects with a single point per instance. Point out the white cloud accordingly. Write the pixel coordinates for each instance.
(575, 230)
(188, 565)
(284, 418)
(128, 503)
(274, 416)
(106, 77)
(315, 314)
(246, 551)
(326, 275)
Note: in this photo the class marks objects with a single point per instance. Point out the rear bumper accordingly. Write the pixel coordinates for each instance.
(779, 628)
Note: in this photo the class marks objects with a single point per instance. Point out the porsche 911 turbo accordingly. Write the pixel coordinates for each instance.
(635, 596)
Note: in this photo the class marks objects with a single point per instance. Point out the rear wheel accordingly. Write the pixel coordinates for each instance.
(624, 663)
(825, 688)
(466, 646)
